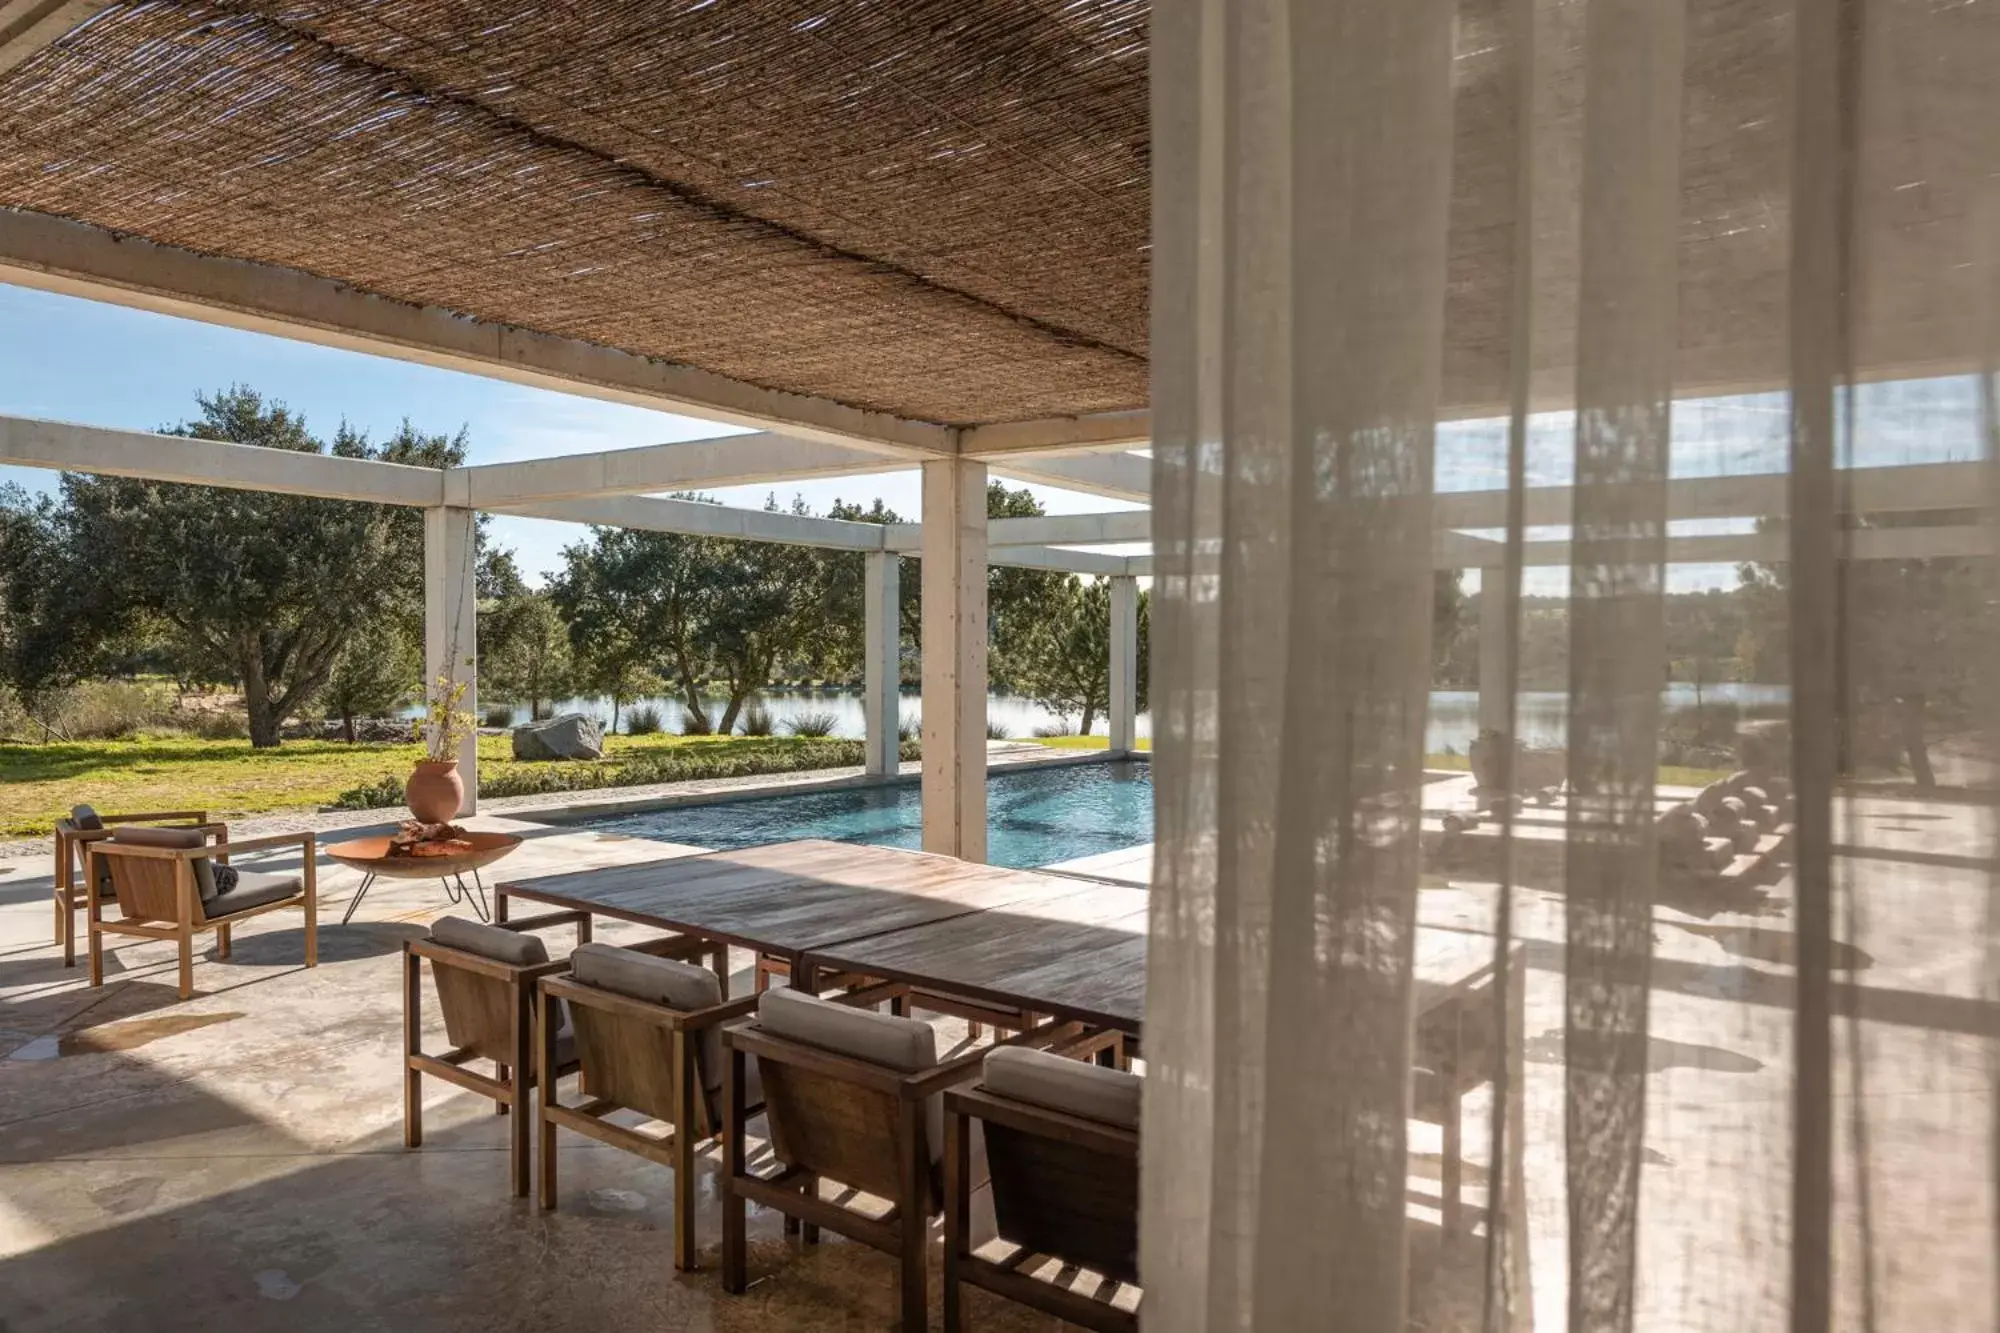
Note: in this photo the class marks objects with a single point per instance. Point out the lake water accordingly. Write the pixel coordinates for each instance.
(1454, 714)
(1033, 818)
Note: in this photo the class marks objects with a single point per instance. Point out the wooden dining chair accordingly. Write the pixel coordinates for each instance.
(172, 882)
(485, 977)
(978, 1016)
(851, 1095)
(1061, 1142)
(85, 825)
(647, 1035)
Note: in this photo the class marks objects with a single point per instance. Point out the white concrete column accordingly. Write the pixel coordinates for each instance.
(1124, 708)
(954, 647)
(1493, 651)
(451, 623)
(882, 660)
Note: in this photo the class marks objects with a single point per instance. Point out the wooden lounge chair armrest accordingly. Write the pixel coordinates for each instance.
(1090, 1043)
(268, 841)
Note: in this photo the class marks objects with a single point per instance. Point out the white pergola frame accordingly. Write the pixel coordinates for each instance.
(611, 488)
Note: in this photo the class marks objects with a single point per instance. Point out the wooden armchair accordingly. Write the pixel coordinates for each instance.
(165, 883)
(1062, 1150)
(85, 826)
(978, 1016)
(647, 1025)
(852, 1095)
(486, 978)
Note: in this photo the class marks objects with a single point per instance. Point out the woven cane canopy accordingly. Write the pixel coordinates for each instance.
(933, 208)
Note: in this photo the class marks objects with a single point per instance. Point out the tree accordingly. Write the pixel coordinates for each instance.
(531, 660)
(274, 586)
(377, 672)
(1064, 662)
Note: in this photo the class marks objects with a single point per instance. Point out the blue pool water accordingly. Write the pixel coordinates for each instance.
(1032, 818)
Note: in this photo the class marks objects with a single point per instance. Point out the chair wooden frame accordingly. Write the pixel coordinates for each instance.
(70, 840)
(887, 1160)
(503, 998)
(157, 894)
(1090, 1163)
(978, 1016)
(635, 1056)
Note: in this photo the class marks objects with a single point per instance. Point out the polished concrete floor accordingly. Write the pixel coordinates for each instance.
(235, 1162)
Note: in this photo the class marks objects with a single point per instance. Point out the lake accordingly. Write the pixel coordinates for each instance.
(1454, 714)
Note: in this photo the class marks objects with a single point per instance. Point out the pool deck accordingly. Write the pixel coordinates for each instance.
(235, 1161)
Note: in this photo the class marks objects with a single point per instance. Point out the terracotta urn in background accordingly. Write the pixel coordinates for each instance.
(434, 791)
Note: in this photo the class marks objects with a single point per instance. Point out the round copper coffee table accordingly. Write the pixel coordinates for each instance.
(371, 857)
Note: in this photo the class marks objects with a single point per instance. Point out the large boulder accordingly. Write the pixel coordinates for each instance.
(571, 736)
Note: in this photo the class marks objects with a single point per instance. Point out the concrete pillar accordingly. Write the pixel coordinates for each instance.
(451, 623)
(954, 647)
(1124, 661)
(882, 660)
(1493, 651)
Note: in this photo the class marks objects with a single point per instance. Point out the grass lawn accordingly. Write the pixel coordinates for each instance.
(39, 783)
(1084, 742)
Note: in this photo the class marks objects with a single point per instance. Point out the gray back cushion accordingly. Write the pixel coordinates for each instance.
(134, 835)
(85, 817)
(514, 947)
(1062, 1084)
(653, 980)
(907, 1045)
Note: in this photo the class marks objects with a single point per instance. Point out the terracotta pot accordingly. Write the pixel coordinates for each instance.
(434, 791)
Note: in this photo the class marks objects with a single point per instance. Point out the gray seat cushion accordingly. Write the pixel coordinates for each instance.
(515, 947)
(664, 981)
(907, 1045)
(1062, 1084)
(253, 889)
(180, 839)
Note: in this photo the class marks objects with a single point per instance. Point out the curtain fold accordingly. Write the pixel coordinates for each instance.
(1598, 396)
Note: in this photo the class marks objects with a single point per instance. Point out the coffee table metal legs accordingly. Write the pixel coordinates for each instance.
(367, 882)
(461, 894)
(455, 889)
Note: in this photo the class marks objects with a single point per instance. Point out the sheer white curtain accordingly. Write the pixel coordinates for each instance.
(1676, 322)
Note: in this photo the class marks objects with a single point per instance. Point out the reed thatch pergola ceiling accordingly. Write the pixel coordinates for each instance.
(935, 209)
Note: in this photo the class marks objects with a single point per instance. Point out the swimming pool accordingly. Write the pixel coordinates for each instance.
(1032, 818)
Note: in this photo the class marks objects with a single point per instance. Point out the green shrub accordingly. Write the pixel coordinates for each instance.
(498, 715)
(386, 790)
(1050, 730)
(680, 764)
(643, 721)
(908, 728)
(998, 731)
(812, 725)
(756, 720)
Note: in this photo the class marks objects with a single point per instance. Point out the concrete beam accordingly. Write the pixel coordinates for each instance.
(1124, 694)
(451, 624)
(1119, 476)
(882, 662)
(29, 26)
(1932, 543)
(75, 259)
(1058, 559)
(1132, 525)
(1911, 488)
(1059, 435)
(697, 518)
(954, 651)
(734, 460)
(29, 442)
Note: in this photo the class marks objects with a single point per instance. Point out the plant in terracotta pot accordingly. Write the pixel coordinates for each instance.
(435, 791)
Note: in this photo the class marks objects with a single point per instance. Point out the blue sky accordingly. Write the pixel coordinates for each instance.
(73, 360)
